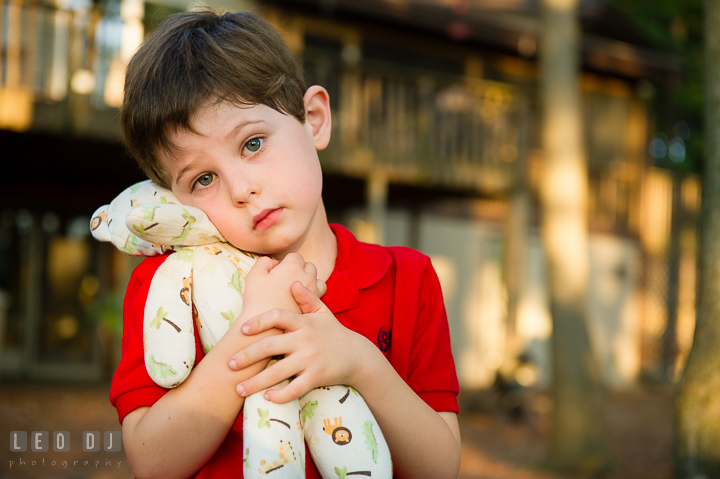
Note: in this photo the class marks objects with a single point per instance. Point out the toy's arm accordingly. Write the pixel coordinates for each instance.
(182, 431)
(424, 443)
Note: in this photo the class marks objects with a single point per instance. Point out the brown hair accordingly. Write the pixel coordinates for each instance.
(198, 57)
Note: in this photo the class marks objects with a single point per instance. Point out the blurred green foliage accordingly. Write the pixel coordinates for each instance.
(106, 311)
(675, 26)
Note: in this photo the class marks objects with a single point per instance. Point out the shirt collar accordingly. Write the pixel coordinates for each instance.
(357, 266)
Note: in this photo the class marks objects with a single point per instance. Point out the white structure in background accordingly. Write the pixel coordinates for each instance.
(467, 255)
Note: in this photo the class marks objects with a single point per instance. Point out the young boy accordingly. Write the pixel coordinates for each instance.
(215, 109)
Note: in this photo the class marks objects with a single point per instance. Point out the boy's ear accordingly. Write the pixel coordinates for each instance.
(317, 115)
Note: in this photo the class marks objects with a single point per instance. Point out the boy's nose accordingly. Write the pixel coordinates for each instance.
(241, 194)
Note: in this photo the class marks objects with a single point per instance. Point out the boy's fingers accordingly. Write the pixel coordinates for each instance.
(294, 258)
(297, 387)
(321, 288)
(265, 263)
(306, 299)
(267, 378)
(263, 349)
(275, 318)
(310, 269)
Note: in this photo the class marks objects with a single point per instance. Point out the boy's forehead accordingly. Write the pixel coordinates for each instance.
(221, 121)
(210, 115)
(214, 119)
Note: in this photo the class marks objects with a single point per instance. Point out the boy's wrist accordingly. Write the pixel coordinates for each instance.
(371, 360)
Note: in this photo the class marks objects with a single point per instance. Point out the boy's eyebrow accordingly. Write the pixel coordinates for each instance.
(239, 127)
(182, 172)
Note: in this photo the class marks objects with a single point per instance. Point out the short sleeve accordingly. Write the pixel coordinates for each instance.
(431, 367)
(131, 386)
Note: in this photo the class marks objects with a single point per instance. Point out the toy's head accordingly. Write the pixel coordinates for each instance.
(205, 275)
(147, 220)
(199, 58)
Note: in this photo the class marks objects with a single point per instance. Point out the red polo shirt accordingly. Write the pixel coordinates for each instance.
(391, 295)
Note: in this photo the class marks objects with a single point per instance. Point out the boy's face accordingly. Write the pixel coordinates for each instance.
(254, 172)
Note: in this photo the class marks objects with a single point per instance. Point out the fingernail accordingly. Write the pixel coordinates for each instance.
(266, 395)
(245, 329)
(233, 364)
(240, 390)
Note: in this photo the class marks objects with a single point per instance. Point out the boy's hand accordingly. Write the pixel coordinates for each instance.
(269, 281)
(318, 349)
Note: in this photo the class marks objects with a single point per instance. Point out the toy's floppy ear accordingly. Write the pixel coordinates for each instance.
(108, 222)
(99, 225)
(177, 225)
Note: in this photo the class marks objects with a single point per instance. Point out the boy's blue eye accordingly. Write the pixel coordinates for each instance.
(205, 179)
(254, 144)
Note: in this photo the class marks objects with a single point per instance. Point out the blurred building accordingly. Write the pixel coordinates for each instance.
(434, 146)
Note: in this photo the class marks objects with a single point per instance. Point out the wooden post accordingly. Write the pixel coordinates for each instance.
(516, 240)
(377, 193)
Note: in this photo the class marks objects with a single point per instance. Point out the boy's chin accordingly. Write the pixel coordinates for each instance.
(270, 249)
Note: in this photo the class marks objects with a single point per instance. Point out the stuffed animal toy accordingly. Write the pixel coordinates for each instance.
(205, 278)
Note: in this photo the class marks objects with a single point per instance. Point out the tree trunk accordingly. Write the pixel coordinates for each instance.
(577, 437)
(697, 406)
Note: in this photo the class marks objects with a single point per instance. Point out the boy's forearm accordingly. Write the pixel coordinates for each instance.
(182, 431)
(422, 444)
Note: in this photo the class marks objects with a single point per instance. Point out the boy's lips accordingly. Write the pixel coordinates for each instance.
(266, 218)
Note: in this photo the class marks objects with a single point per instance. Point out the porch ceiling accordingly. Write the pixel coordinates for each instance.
(612, 44)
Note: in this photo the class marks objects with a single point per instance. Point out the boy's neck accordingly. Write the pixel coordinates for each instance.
(319, 245)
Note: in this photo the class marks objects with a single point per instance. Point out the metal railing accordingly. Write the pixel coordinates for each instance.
(422, 127)
(61, 68)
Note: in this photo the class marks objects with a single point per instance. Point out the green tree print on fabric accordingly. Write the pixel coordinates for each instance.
(188, 226)
(135, 187)
(158, 318)
(130, 244)
(162, 316)
(264, 421)
(347, 394)
(185, 255)
(307, 410)
(343, 474)
(370, 442)
(301, 458)
(236, 283)
(140, 231)
(246, 463)
(148, 212)
(162, 370)
(229, 317)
